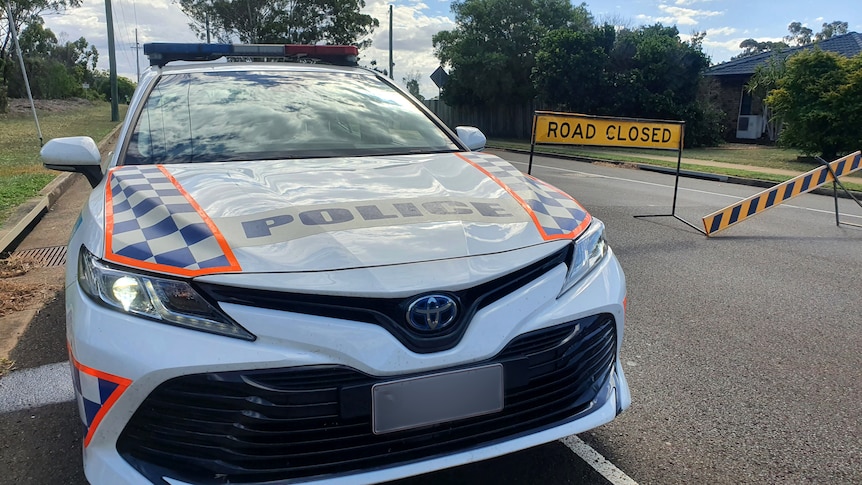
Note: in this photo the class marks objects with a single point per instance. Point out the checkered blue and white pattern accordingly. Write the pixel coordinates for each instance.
(556, 212)
(91, 393)
(153, 222)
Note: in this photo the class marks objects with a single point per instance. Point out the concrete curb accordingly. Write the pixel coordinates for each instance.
(28, 214)
(825, 190)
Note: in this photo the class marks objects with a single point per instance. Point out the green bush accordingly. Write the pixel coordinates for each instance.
(819, 98)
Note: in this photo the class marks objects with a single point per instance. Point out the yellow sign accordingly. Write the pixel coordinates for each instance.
(571, 129)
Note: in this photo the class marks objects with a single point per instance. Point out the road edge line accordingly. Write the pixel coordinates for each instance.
(598, 462)
(35, 387)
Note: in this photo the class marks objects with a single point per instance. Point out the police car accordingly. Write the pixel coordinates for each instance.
(294, 272)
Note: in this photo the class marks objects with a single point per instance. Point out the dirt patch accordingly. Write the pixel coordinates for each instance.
(22, 106)
(19, 291)
(17, 266)
(19, 296)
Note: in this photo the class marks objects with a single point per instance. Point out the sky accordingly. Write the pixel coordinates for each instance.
(726, 22)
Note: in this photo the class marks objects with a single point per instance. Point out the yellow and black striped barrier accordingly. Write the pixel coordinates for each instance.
(801, 184)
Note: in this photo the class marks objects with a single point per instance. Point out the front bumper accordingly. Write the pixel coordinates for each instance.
(150, 355)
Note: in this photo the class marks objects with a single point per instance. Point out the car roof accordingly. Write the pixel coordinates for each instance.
(182, 67)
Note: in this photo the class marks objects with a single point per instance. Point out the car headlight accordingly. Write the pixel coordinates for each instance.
(161, 299)
(587, 251)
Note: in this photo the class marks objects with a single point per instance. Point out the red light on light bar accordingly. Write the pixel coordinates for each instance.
(320, 50)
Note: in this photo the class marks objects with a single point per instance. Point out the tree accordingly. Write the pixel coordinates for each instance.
(802, 35)
(643, 73)
(491, 51)
(282, 21)
(751, 47)
(831, 30)
(818, 97)
(55, 70)
(411, 82)
(798, 35)
(24, 12)
(765, 79)
(573, 69)
(102, 85)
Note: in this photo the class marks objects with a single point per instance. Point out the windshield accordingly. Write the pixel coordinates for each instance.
(248, 115)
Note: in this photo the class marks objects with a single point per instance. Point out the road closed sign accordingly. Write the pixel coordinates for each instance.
(573, 129)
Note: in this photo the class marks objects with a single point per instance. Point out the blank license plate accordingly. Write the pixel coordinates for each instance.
(438, 398)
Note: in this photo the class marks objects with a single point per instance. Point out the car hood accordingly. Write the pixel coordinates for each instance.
(326, 214)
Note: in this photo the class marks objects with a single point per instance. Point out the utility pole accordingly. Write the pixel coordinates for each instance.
(137, 48)
(112, 53)
(391, 64)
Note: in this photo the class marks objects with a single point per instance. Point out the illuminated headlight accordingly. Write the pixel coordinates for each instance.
(587, 251)
(165, 300)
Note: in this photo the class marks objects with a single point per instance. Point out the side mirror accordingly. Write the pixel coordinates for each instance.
(472, 137)
(74, 154)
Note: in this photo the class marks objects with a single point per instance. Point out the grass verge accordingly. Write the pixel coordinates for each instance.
(765, 157)
(21, 173)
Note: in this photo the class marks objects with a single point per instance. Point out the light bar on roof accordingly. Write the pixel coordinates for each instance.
(160, 53)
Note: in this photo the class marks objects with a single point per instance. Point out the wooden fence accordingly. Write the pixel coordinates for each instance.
(505, 121)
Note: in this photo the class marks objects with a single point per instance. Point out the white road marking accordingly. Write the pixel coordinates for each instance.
(599, 463)
(697, 191)
(37, 386)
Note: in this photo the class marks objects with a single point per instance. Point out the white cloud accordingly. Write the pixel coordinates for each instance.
(412, 29)
(683, 16)
(156, 21)
(720, 31)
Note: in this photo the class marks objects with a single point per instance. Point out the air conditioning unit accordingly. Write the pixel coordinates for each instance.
(749, 127)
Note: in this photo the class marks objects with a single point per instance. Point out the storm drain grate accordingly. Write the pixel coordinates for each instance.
(47, 257)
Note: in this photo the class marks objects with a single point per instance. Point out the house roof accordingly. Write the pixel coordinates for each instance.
(847, 45)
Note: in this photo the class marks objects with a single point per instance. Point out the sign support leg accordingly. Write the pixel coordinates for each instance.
(675, 191)
(835, 184)
(530, 166)
(532, 145)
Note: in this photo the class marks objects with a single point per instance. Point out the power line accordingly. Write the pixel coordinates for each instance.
(124, 31)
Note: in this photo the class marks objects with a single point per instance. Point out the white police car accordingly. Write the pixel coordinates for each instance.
(293, 272)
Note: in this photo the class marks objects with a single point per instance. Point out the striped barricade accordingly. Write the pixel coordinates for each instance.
(801, 184)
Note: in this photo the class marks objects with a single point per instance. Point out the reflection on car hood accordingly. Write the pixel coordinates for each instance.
(325, 214)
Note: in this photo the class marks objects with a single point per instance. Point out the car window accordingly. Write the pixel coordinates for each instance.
(225, 116)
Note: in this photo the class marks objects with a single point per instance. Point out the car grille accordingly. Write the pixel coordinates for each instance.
(390, 313)
(278, 424)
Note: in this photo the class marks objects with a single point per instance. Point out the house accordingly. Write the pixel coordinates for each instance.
(745, 114)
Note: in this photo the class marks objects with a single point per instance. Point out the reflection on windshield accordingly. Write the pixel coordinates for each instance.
(225, 116)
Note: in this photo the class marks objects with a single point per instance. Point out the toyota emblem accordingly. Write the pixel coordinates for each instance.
(432, 312)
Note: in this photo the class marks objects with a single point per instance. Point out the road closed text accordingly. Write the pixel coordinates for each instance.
(573, 130)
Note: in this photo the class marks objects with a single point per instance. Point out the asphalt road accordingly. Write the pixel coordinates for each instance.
(742, 350)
